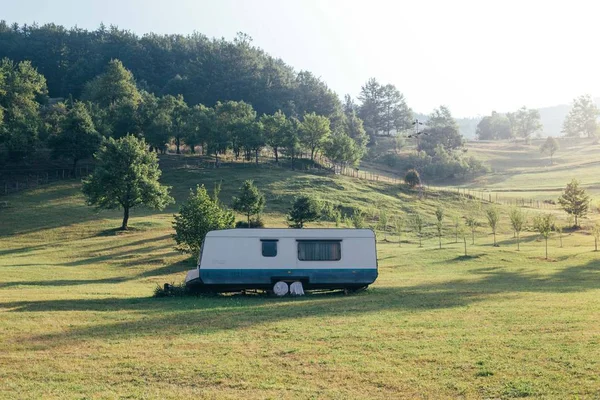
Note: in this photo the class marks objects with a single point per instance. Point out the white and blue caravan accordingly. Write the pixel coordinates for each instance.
(237, 259)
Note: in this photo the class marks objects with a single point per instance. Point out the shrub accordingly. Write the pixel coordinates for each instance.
(412, 178)
(254, 223)
(198, 216)
(304, 209)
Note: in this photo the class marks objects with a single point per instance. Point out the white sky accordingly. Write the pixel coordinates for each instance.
(473, 56)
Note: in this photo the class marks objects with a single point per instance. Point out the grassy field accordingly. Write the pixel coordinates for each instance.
(77, 319)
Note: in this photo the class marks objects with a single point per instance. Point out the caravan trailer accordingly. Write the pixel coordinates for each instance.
(238, 259)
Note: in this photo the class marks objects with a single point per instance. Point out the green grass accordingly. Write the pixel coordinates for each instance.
(77, 319)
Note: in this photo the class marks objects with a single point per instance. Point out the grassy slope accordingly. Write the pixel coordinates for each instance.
(76, 319)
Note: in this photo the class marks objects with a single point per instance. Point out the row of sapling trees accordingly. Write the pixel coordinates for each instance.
(127, 176)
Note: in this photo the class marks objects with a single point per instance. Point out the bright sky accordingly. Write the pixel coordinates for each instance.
(473, 56)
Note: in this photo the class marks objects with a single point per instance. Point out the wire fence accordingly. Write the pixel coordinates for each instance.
(13, 183)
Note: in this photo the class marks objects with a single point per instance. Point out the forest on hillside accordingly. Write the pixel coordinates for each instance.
(67, 89)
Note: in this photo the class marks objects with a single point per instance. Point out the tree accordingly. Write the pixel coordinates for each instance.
(396, 115)
(371, 108)
(116, 84)
(412, 178)
(305, 209)
(233, 122)
(543, 224)
(518, 220)
(456, 223)
(383, 223)
(439, 216)
(493, 217)
(198, 216)
(314, 131)
(250, 200)
(575, 201)
(582, 119)
(417, 224)
(126, 176)
(448, 137)
(525, 122)
(441, 118)
(353, 127)
(596, 233)
(291, 140)
(398, 228)
(199, 126)
(497, 126)
(550, 146)
(472, 223)
(21, 90)
(179, 120)
(342, 150)
(274, 130)
(358, 219)
(78, 138)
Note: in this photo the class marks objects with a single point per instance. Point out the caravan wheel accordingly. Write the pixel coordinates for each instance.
(281, 288)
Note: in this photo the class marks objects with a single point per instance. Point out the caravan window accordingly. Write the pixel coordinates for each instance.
(319, 250)
(269, 248)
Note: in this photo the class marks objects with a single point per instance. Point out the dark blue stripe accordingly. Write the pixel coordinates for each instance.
(266, 276)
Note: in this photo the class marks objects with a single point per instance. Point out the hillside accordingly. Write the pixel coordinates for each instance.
(76, 307)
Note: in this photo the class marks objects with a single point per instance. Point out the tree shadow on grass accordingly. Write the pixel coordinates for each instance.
(180, 315)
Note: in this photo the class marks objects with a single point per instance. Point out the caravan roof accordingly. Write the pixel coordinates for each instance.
(313, 233)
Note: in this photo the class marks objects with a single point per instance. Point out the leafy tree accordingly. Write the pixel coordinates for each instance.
(582, 119)
(417, 223)
(472, 223)
(342, 150)
(250, 200)
(116, 84)
(396, 114)
(596, 233)
(314, 131)
(233, 121)
(353, 127)
(448, 137)
(21, 90)
(199, 126)
(179, 120)
(439, 216)
(550, 146)
(544, 224)
(53, 117)
(291, 138)
(463, 233)
(559, 229)
(495, 127)
(412, 178)
(575, 201)
(126, 176)
(493, 217)
(372, 107)
(77, 139)
(525, 122)
(198, 216)
(311, 95)
(518, 220)
(274, 130)
(441, 118)
(305, 209)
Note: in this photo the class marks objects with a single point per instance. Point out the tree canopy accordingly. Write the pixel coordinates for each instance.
(126, 176)
(582, 119)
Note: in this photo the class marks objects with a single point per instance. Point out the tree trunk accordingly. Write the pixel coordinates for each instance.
(125, 218)
(177, 143)
(546, 248)
(494, 238)
(595, 244)
(312, 154)
(248, 220)
(192, 149)
(276, 154)
(575, 220)
(473, 237)
(256, 154)
(465, 240)
(74, 166)
(440, 239)
(518, 244)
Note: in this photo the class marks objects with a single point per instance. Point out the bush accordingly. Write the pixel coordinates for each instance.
(198, 216)
(254, 223)
(412, 178)
(304, 209)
